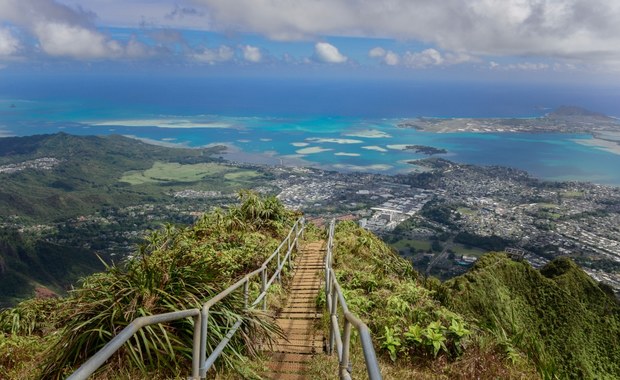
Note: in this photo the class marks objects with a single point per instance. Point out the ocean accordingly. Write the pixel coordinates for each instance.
(336, 125)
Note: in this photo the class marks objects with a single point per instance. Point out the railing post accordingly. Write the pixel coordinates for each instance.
(204, 319)
(278, 269)
(345, 365)
(196, 347)
(328, 269)
(263, 287)
(333, 318)
(290, 263)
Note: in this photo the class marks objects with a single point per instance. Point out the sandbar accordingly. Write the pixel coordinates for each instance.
(161, 123)
(334, 141)
(398, 146)
(606, 145)
(369, 134)
(347, 154)
(300, 144)
(375, 148)
(312, 150)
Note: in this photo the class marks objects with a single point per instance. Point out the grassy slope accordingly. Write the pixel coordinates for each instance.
(560, 317)
(88, 179)
(178, 268)
(406, 319)
(557, 322)
(25, 265)
(85, 180)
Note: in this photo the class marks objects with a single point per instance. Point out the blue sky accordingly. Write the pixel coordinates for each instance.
(474, 40)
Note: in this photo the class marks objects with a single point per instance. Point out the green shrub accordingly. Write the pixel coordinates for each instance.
(178, 268)
(559, 317)
(383, 289)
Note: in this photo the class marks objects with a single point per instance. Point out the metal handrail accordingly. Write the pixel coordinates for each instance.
(333, 294)
(200, 362)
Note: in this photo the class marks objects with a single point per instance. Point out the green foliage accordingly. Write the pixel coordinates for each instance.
(178, 268)
(383, 289)
(490, 243)
(559, 317)
(31, 317)
(391, 342)
(26, 263)
(20, 355)
(87, 180)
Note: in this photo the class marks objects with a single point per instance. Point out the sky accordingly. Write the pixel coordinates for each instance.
(477, 40)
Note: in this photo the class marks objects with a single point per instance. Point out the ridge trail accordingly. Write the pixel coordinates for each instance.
(299, 319)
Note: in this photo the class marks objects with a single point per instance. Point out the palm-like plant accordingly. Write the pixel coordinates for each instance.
(176, 269)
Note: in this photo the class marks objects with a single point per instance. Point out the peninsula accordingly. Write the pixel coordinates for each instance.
(565, 119)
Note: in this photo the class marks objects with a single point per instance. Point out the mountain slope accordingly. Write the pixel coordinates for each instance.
(26, 266)
(561, 318)
(84, 174)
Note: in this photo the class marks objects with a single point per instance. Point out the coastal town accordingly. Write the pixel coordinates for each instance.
(441, 219)
(539, 220)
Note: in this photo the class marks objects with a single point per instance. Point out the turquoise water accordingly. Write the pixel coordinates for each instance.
(284, 120)
(339, 143)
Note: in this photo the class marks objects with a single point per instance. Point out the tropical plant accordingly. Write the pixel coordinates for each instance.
(176, 269)
(383, 289)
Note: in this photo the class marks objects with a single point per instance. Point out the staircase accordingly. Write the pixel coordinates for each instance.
(299, 319)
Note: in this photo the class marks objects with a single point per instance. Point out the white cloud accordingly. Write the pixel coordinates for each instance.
(530, 66)
(136, 49)
(183, 14)
(63, 31)
(9, 44)
(326, 52)
(387, 56)
(522, 66)
(377, 52)
(432, 57)
(578, 29)
(391, 58)
(211, 56)
(425, 58)
(252, 53)
(61, 39)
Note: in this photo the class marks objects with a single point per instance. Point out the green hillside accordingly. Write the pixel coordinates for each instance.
(176, 269)
(87, 176)
(27, 266)
(502, 319)
(563, 320)
(49, 179)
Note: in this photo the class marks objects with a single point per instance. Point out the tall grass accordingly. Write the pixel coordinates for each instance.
(177, 269)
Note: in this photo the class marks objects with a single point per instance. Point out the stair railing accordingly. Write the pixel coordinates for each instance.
(200, 362)
(335, 298)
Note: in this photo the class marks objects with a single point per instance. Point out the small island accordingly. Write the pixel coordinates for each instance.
(427, 150)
